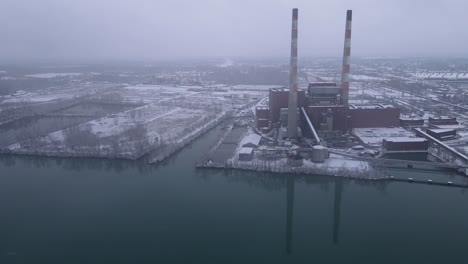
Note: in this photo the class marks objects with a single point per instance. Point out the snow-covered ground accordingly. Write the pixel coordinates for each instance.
(440, 75)
(169, 116)
(51, 75)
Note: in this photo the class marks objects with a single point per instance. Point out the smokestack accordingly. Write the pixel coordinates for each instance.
(292, 104)
(346, 59)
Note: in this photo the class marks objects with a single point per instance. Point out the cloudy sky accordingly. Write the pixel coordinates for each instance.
(164, 29)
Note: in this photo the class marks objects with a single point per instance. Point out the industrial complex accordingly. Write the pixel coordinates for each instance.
(322, 116)
(316, 129)
(324, 104)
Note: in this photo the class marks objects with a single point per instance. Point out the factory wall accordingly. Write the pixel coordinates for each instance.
(339, 116)
(443, 121)
(378, 117)
(442, 134)
(279, 98)
(262, 118)
(412, 122)
(416, 145)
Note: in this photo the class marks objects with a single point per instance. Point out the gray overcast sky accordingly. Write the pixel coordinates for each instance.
(153, 29)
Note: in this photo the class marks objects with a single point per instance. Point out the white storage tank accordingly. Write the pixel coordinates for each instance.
(319, 154)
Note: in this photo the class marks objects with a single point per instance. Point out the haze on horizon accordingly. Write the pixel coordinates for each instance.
(148, 29)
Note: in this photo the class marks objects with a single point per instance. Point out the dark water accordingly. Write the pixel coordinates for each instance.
(95, 211)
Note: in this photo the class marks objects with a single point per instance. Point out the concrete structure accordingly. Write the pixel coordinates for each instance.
(279, 98)
(317, 115)
(405, 144)
(292, 105)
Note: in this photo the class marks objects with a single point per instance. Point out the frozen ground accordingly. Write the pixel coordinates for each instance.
(169, 116)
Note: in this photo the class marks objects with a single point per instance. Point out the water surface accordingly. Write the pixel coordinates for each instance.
(100, 211)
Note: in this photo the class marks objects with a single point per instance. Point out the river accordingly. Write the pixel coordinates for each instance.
(107, 211)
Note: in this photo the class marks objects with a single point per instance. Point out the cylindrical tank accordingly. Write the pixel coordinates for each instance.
(319, 154)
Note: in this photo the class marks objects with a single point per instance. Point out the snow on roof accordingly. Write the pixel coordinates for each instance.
(318, 147)
(376, 106)
(441, 130)
(411, 118)
(245, 150)
(406, 139)
(443, 117)
(252, 139)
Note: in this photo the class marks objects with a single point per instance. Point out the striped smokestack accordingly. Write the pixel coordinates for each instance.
(346, 60)
(292, 104)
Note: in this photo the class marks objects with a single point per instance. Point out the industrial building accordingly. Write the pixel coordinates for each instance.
(411, 122)
(442, 134)
(325, 104)
(405, 144)
(443, 120)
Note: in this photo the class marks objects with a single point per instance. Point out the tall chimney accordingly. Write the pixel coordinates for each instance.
(292, 104)
(346, 60)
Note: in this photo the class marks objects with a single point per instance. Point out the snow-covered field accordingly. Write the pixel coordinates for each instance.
(169, 116)
(36, 98)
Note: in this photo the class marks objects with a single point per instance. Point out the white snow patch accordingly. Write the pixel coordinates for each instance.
(52, 75)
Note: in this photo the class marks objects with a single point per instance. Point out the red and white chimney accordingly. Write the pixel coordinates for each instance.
(292, 103)
(346, 60)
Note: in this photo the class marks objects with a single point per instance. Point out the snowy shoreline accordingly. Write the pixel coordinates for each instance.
(297, 171)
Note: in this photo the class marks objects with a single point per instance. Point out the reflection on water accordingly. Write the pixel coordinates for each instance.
(337, 211)
(289, 213)
(131, 212)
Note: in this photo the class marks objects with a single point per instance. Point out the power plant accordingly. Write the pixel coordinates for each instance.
(323, 111)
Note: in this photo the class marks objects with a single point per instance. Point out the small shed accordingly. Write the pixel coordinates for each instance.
(246, 154)
(251, 141)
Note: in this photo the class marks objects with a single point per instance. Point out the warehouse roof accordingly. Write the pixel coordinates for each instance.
(253, 139)
(441, 130)
(245, 150)
(406, 139)
(376, 106)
